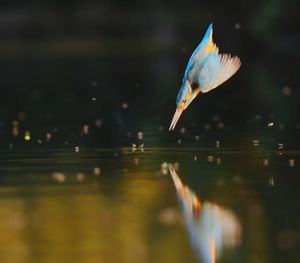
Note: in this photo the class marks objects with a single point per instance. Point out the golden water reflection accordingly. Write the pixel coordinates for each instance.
(87, 223)
(210, 226)
(107, 207)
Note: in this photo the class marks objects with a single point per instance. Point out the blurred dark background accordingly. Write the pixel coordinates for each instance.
(113, 68)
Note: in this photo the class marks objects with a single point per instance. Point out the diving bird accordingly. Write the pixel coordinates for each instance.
(206, 70)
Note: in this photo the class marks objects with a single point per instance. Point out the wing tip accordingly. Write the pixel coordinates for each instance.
(235, 61)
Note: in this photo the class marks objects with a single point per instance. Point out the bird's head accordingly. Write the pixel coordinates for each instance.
(185, 96)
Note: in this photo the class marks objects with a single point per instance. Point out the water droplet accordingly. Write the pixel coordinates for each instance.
(179, 141)
(164, 171)
(98, 123)
(97, 170)
(291, 162)
(176, 166)
(270, 124)
(164, 165)
(136, 161)
(286, 90)
(255, 142)
(140, 135)
(220, 125)
(80, 177)
(182, 130)
(85, 129)
(15, 128)
(217, 144)
(280, 146)
(39, 141)
(48, 136)
(266, 162)
(27, 136)
(197, 137)
(94, 99)
(237, 26)
(167, 216)
(210, 158)
(195, 158)
(218, 161)
(164, 168)
(271, 181)
(59, 177)
(77, 149)
(124, 105)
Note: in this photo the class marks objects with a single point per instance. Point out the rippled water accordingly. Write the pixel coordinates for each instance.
(121, 205)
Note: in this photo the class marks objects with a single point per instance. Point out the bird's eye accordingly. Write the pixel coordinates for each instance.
(184, 101)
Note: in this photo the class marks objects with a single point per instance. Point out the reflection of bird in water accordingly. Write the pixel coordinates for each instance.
(206, 70)
(210, 227)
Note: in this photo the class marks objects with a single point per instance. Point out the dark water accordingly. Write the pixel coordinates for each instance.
(121, 205)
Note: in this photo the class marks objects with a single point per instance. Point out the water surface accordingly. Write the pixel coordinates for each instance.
(120, 205)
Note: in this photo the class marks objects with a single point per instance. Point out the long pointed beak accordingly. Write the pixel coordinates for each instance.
(176, 117)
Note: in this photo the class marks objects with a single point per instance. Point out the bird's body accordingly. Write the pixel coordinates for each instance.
(206, 70)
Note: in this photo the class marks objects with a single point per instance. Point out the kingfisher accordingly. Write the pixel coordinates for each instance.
(206, 70)
(210, 227)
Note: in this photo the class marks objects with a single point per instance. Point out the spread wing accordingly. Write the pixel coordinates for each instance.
(228, 66)
(207, 68)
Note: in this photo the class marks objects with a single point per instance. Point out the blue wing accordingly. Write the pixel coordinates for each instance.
(205, 72)
(214, 70)
(207, 68)
(204, 41)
